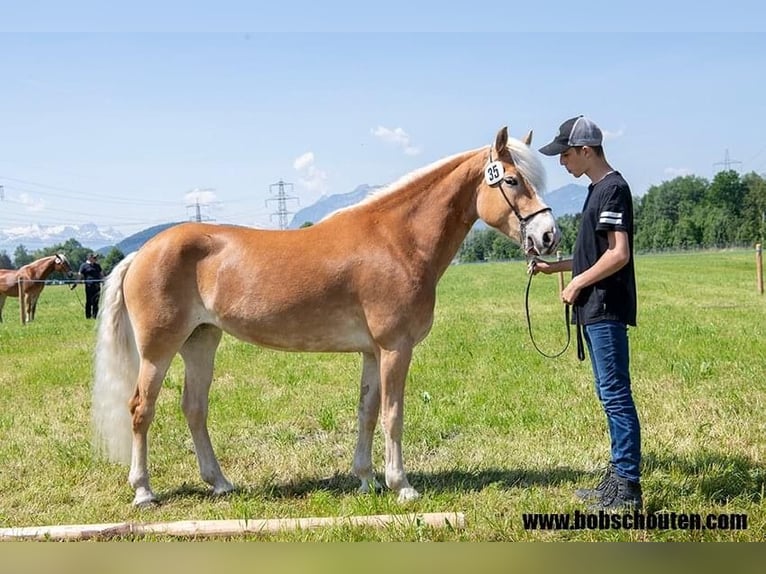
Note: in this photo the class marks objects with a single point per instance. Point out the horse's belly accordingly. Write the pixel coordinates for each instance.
(288, 334)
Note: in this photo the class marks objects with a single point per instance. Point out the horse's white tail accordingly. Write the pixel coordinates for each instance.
(115, 370)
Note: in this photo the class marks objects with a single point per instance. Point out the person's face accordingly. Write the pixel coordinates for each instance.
(574, 161)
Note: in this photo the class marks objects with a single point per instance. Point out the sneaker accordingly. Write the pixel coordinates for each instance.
(592, 494)
(620, 494)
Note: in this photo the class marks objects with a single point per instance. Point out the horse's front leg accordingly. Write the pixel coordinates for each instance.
(394, 365)
(31, 307)
(368, 411)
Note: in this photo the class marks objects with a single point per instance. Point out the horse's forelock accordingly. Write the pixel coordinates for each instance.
(528, 164)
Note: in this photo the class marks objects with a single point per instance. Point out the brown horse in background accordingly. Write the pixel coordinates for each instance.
(33, 276)
(362, 280)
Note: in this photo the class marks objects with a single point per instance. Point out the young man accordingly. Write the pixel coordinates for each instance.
(91, 273)
(602, 293)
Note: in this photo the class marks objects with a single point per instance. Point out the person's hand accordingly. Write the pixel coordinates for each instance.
(537, 265)
(571, 292)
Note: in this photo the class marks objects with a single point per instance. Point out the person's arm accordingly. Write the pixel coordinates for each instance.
(548, 267)
(614, 258)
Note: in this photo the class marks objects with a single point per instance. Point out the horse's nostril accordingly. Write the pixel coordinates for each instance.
(547, 239)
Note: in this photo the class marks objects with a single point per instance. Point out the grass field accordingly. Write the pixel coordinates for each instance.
(492, 429)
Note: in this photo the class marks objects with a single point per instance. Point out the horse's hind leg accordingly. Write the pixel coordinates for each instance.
(2, 304)
(369, 408)
(150, 377)
(198, 353)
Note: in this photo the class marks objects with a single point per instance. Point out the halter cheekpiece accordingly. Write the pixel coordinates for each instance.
(494, 173)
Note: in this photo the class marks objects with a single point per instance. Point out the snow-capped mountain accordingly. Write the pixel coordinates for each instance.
(35, 236)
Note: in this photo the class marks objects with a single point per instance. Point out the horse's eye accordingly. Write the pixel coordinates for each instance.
(510, 180)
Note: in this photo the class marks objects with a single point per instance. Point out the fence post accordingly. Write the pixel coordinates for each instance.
(561, 273)
(759, 267)
(22, 310)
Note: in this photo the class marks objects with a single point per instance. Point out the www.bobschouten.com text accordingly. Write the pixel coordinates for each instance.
(634, 521)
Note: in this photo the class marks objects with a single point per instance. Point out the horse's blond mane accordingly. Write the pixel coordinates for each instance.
(527, 163)
(405, 180)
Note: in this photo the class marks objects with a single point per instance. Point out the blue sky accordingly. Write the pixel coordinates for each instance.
(125, 121)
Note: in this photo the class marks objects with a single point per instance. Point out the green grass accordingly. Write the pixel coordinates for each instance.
(492, 429)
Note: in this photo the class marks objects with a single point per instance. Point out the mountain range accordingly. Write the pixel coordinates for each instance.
(35, 236)
(564, 200)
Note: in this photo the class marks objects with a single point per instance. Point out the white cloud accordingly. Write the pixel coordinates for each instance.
(203, 196)
(673, 172)
(304, 161)
(31, 203)
(397, 137)
(309, 175)
(613, 135)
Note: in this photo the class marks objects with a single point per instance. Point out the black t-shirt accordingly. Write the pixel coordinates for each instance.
(608, 207)
(90, 271)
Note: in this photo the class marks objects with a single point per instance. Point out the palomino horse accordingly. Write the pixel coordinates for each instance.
(33, 275)
(361, 280)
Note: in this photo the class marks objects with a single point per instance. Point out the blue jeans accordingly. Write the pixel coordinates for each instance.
(610, 358)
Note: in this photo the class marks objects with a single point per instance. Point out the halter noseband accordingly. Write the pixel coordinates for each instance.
(523, 220)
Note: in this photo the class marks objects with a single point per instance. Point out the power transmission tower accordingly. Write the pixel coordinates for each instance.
(198, 217)
(197, 206)
(281, 198)
(727, 161)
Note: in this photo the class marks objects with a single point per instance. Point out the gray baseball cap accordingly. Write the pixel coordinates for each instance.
(576, 131)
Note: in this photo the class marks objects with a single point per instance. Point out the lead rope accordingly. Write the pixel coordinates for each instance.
(580, 346)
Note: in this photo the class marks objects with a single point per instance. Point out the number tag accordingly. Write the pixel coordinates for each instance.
(493, 172)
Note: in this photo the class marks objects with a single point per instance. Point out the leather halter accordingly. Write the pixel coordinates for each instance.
(523, 220)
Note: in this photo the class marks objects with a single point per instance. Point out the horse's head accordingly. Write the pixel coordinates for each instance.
(508, 197)
(61, 264)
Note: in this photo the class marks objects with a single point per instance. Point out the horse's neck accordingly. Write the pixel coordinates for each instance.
(42, 268)
(439, 218)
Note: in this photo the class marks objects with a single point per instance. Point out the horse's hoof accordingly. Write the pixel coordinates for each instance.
(370, 485)
(223, 490)
(146, 504)
(145, 500)
(408, 494)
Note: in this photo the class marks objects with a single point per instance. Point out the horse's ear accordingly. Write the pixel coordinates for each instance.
(501, 140)
(528, 138)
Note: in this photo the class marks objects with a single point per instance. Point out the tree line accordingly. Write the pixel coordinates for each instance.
(75, 252)
(688, 212)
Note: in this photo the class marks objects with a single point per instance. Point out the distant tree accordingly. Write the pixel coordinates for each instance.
(21, 256)
(487, 245)
(503, 249)
(727, 192)
(752, 227)
(111, 260)
(568, 226)
(5, 260)
(306, 224)
(661, 211)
